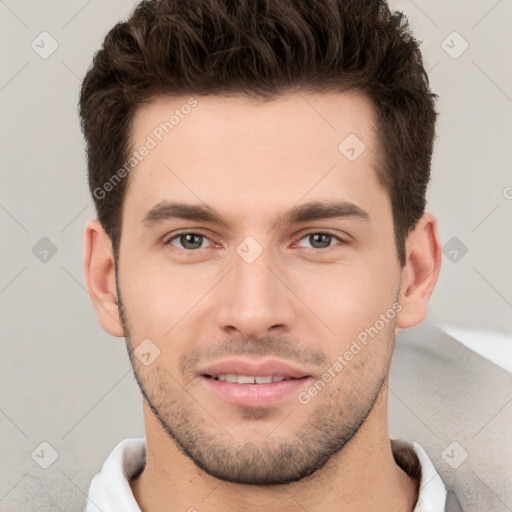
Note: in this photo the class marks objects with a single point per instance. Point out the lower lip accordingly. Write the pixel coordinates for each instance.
(254, 395)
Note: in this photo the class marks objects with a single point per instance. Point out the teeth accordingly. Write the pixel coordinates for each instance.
(247, 379)
(263, 380)
(244, 379)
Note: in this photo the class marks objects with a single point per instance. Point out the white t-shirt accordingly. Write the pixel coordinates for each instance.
(110, 489)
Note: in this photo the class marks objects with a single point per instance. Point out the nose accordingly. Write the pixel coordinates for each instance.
(256, 300)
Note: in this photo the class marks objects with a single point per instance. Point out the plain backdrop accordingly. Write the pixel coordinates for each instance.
(62, 378)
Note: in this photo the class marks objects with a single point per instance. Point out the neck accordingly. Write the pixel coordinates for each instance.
(363, 476)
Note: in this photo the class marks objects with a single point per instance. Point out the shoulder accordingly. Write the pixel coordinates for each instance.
(458, 406)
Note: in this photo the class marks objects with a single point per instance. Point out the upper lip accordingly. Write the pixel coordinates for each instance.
(254, 368)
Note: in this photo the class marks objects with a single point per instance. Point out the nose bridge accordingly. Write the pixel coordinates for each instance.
(255, 298)
(253, 281)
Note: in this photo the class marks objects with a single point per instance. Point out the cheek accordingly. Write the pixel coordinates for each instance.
(349, 300)
(167, 302)
(154, 298)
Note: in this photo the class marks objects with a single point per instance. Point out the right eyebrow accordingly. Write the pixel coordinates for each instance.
(176, 210)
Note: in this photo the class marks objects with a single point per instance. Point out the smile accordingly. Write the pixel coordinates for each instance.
(248, 379)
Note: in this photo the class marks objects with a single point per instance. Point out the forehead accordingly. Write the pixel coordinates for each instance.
(239, 150)
(305, 116)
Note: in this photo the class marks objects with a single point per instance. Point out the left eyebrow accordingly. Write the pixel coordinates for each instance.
(317, 210)
(322, 210)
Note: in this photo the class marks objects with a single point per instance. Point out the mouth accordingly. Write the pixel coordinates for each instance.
(250, 382)
(251, 379)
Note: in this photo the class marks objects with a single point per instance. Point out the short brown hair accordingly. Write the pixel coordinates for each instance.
(263, 48)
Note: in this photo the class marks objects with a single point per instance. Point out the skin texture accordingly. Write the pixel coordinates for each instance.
(302, 300)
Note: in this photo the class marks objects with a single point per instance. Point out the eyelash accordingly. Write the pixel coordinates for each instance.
(177, 236)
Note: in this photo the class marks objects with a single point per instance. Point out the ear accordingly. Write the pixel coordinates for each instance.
(420, 273)
(100, 276)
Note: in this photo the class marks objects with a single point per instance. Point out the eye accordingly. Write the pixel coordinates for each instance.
(189, 240)
(321, 239)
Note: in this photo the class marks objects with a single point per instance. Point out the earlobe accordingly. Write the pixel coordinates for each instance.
(100, 276)
(419, 276)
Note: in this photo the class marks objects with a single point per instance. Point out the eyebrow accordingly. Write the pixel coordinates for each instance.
(166, 210)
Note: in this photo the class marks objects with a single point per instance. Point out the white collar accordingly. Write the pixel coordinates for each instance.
(110, 489)
(432, 495)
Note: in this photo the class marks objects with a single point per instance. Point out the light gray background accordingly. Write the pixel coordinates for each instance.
(65, 381)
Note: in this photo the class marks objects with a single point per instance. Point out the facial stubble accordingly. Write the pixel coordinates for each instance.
(334, 419)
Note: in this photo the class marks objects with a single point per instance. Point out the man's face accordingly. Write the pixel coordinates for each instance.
(262, 288)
